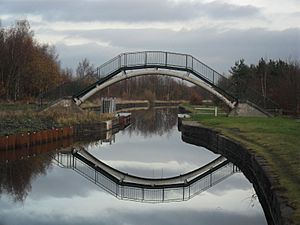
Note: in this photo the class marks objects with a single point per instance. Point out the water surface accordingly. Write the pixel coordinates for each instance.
(36, 190)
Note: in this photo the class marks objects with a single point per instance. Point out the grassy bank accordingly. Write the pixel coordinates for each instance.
(277, 140)
(20, 118)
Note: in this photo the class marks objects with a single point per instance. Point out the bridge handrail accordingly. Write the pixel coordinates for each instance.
(161, 59)
(186, 62)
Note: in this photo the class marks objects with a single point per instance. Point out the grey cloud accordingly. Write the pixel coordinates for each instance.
(157, 216)
(70, 184)
(70, 56)
(235, 182)
(187, 217)
(297, 14)
(169, 148)
(127, 11)
(229, 11)
(218, 49)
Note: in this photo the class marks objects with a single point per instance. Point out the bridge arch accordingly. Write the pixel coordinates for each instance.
(165, 63)
(150, 72)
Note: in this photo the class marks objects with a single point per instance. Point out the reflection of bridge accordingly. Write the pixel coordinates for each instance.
(170, 64)
(124, 186)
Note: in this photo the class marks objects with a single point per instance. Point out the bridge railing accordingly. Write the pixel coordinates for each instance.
(178, 61)
(66, 89)
(160, 59)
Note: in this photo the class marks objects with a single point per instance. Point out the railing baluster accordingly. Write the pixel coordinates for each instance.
(192, 63)
(186, 61)
(166, 59)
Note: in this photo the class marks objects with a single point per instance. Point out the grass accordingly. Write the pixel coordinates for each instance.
(12, 107)
(203, 109)
(276, 139)
(19, 118)
(79, 118)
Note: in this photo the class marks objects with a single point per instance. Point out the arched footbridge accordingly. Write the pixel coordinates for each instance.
(153, 190)
(128, 65)
(183, 66)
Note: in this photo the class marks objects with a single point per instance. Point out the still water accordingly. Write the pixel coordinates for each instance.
(42, 189)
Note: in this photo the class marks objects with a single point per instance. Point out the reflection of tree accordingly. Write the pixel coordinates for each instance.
(16, 176)
(253, 200)
(153, 121)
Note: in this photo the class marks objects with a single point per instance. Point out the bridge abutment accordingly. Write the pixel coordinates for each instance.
(246, 109)
(65, 105)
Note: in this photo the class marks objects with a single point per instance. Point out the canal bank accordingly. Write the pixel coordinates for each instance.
(55, 134)
(265, 150)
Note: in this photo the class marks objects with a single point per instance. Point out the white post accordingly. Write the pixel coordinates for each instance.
(216, 111)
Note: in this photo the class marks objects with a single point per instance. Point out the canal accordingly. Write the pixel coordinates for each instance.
(52, 186)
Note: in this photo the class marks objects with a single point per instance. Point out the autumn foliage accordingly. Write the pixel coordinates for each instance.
(27, 68)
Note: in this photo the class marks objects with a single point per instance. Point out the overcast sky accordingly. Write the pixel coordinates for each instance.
(216, 32)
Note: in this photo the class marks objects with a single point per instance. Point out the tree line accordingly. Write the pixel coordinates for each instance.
(272, 79)
(154, 88)
(27, 68)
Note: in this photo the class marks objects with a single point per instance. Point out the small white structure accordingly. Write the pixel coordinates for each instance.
(108, 105)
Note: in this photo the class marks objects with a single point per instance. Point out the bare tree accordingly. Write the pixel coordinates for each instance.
(84, 68)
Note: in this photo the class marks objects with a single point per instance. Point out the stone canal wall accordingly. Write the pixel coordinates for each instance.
(276, 208)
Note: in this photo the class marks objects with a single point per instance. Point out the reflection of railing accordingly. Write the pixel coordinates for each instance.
(153, 194)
